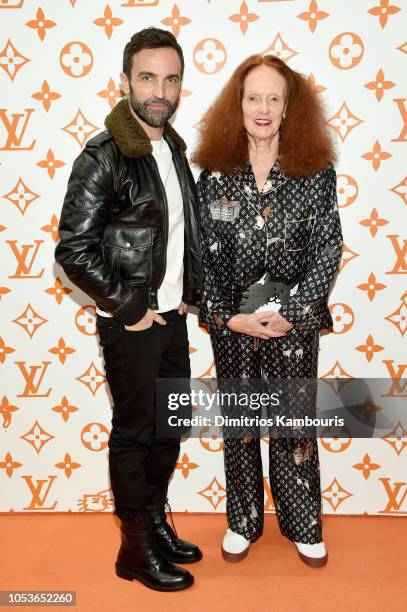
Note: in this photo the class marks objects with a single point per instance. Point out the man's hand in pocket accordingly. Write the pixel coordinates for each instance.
(146, 321)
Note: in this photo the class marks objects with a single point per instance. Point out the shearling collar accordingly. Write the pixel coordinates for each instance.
(130, 136)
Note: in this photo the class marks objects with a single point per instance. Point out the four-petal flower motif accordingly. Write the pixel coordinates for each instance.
(175, 21)
(11, 61)
(37, 437)
(30, 320)
(343, 318)
(9, 465)
(62, 350)
(373, 222)
(92, 378)
(46, 96)
(344, 121)
(313, 15)
(4, 350)
(41, 24)
(80, 128)
(67, 465)
(397, 438)
(243, 18)
(370, 348)
(95, 436)
(347, 256)
(52, 228)
(335, 494)
(383, 10)
(336, 443)
(371, 287)
(210, 438)
(214, 493)
(58, 291)
(85, 320)
(108, 22)
(347, 190)
(185, 465)
(112, 93)
(346, 50)
(210, 56)
(399, 316)
(280, 48)
(50, 163)
(65, 409)
(376, 156)
(401, 189)
(21, 196)
(6, 411)
(379, 85)
(366, 466)
(76, 59)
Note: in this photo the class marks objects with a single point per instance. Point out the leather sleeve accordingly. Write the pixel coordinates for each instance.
(85, 213)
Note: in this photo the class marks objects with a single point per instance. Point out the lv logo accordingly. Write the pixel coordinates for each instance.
(11, 4)
(15, 126)
(25, 258)
(32, 379)
(401, 103)
(38, 495)
(396, 496)
(398, 387)
(400, 267)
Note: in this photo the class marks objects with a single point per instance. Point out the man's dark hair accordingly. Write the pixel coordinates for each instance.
(150, 38)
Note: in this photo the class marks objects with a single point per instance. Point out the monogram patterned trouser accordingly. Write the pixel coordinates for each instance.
(293, 462)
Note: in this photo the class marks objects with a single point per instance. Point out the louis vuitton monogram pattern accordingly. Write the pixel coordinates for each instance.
(59, 66)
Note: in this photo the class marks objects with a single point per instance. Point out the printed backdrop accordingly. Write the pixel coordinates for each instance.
(59, 77)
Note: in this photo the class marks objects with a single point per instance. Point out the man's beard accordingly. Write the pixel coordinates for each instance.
(154, 118)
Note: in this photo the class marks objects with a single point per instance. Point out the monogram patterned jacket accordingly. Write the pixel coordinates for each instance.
(291, 229)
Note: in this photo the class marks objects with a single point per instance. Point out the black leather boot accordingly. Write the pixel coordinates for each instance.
(171, 546)
(140, 559)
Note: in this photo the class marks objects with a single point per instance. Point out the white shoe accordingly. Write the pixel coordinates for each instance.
(234, 546)
(314, 555)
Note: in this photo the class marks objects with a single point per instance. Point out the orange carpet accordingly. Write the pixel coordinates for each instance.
(366, 570)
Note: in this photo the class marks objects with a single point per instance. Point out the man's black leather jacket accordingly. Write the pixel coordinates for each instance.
(114, 220)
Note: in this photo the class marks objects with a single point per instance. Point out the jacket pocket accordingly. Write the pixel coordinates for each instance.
(128, 251)
(298, 232)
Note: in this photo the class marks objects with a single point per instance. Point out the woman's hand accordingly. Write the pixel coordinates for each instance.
(259, 325)
(146, 321)
(279, 324)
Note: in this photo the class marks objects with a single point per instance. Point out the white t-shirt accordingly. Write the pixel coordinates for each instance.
(169, 295)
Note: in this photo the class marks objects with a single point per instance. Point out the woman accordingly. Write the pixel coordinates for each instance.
(268, 213)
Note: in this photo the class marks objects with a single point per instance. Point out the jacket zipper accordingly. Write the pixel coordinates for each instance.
(186, 214)
(165, 220)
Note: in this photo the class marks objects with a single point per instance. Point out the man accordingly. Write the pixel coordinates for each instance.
(129, 239)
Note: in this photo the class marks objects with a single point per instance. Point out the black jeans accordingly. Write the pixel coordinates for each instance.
(140, 463)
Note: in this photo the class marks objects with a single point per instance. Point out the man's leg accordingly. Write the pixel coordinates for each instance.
(132, 363)
(163, 452)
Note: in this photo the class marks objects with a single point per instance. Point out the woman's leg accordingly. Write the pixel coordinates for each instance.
(235, 358)
(294, 461)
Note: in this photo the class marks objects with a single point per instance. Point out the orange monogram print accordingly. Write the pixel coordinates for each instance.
(15, 126)
(60, 65)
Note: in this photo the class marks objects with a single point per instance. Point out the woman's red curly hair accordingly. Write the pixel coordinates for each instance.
(305, 145)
